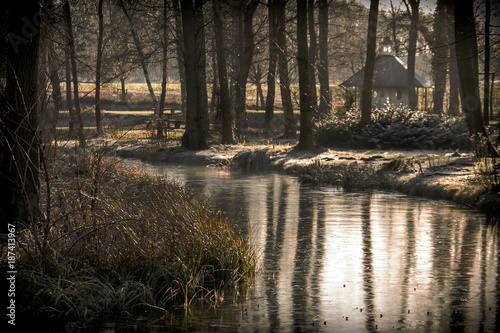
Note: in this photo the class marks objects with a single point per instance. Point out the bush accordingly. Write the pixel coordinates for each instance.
(395, 128)
(117, 239)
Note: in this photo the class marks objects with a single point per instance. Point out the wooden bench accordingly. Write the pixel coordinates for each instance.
(173, 118)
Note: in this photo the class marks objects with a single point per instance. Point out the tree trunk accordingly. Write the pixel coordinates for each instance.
(224, 98)
(486, 94)
(286, 98)
(439, 57)
(366, 97)
(246, 49)
(98, 115)
(56, 91)
(313, 50)
(194, 137)
(412, 50)
(159, 129)
(202, 106)
(72, 56)
(468, 70)
(19, 142)
(454, 98)
(123, 90)
(142, 58)
(180, 57)
(69, 102)
(306, 139)
(273, 56)
(324, 82)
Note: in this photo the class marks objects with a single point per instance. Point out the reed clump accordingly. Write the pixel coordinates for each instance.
(115, 239)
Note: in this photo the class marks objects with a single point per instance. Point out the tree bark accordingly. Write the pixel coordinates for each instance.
(224, 98)
(19, 142)
(412, 8)
(440, 57)
(56, 91)
(194, 137)
(468, 69)
(202, 107)
(72, 56)
(180, 49)
(454, 98)
(273, 56)
(142, 58)
(366, 96)
(286, 98)
(69, 102)
(306, 139)
(486, 104)
(323, 76)
(98, 115)
(159, 128)
(245, 54)
(313, 51)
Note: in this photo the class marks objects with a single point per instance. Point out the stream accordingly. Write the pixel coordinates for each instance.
(331, 261)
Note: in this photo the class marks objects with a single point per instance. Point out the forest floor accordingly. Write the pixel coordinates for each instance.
(438, 175)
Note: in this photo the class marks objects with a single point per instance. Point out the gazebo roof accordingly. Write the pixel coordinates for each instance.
(390, 71)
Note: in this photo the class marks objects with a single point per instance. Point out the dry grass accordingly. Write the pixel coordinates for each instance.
(116, 239)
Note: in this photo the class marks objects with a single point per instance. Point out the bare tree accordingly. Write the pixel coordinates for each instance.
(164, 61)
(324, 82)
(454, 80)
(124, 7)
(286, 98)
(486, 107)
(412, 7)
(19, 145)
(98, 115)
(371, 45)
(195, 134)
(179, 50)
(439, 42)
(246, 11)
(313, 51)
(468, 69)
(306, 139)
(72, 57)
(224, 98)
(273, 57)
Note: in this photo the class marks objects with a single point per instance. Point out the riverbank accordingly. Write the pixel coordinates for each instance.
(115, 240)
(440, 175)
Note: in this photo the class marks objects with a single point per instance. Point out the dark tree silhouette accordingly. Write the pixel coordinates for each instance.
(224, 98)
(306, 139)
(371, 46)
(468, 69)
(19, 145)
(324, 82)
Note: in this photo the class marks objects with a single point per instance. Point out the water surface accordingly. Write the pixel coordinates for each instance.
(346, 262)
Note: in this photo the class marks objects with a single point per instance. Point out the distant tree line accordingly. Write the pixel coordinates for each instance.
(220, 46)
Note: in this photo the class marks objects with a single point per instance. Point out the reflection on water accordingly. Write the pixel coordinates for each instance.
(332, 261)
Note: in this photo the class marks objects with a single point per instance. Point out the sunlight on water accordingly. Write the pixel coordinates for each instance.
(353, 262)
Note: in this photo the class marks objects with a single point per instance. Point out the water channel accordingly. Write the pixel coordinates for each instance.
(332, 261)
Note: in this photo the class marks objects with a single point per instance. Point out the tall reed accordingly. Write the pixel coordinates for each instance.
(122, 240)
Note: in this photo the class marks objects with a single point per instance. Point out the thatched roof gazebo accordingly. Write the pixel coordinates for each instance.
(389, 78)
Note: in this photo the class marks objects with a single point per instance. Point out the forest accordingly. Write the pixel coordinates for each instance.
(78, 78)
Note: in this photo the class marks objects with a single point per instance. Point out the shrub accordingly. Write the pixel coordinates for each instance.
(118, 239)
(395, 128)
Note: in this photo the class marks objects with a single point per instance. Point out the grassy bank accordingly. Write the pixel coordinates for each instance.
(440, 175)
(116, 240)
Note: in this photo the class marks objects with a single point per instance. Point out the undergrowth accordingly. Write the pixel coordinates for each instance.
(394, 128)
(115, 239)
